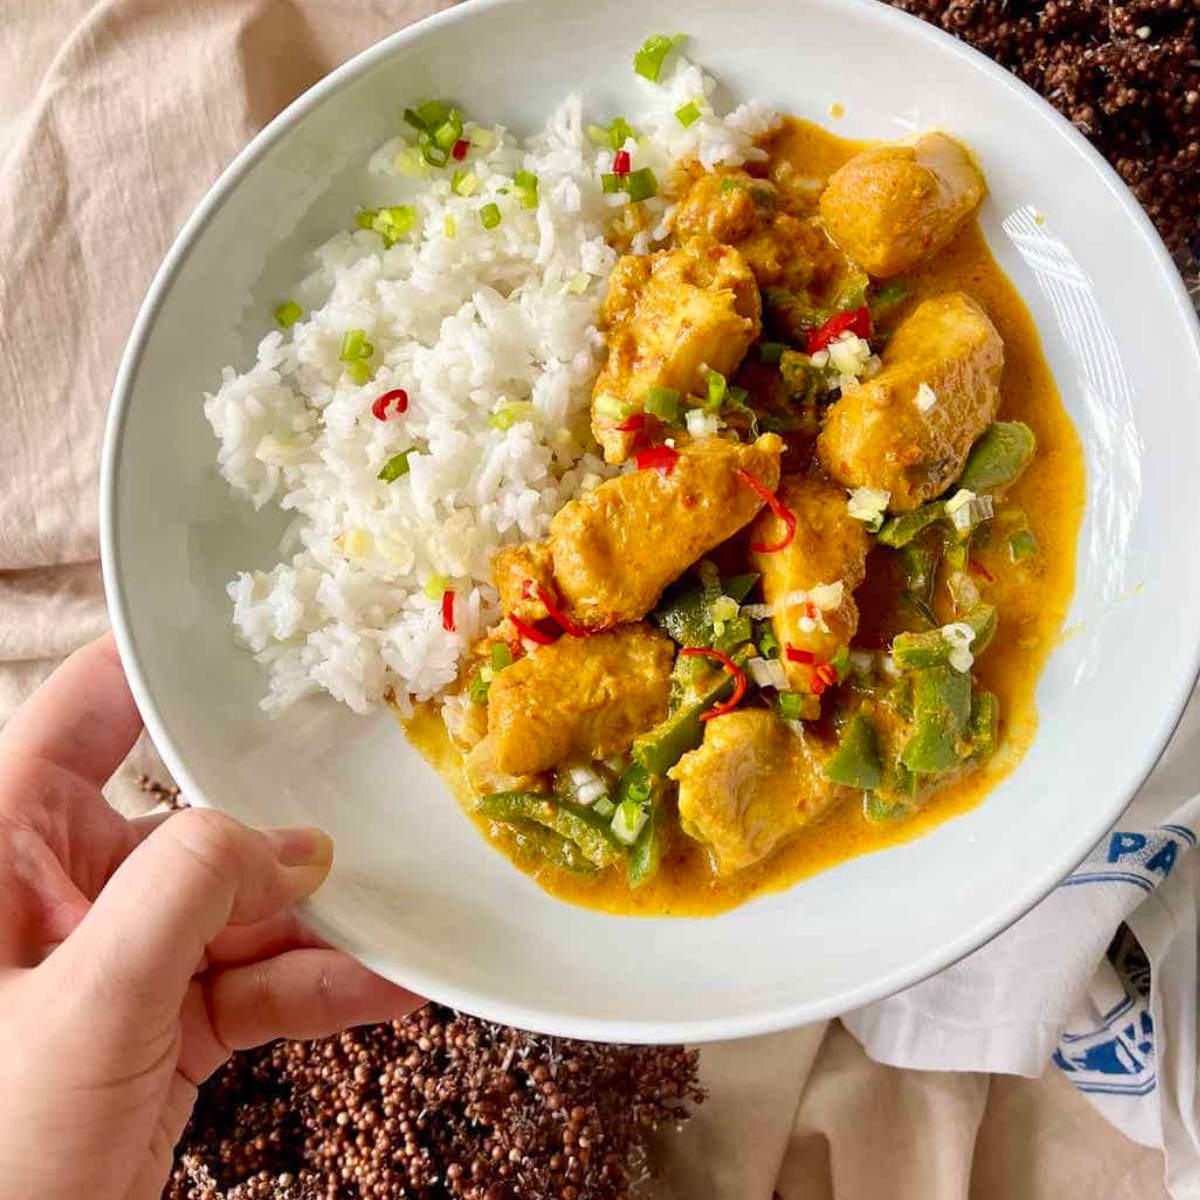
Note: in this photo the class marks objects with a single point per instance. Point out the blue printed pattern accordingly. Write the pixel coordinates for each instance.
(1117, 1057)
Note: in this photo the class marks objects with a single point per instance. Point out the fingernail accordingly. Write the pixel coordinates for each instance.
(300, 847)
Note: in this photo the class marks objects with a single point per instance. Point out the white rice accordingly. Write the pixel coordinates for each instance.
(462, 325)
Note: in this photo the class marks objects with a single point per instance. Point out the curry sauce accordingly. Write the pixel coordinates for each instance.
(1032, 599)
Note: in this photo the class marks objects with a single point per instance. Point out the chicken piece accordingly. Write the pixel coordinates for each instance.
(804, 275)
(616, 547)
(669, 316)
(579, 697)
(893, 206)
(830, 547)
(519, 571)
(750, 786)
(889, 433)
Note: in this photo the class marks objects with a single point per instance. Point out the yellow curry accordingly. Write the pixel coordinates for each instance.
(807, 617)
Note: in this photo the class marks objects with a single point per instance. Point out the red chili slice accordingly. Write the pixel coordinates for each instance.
(796, 655)
(528, 631)
(459, 152)
(657, 458)
(857, 320)
(824, 674)
(621, 162)
(739, 676)
(982, 571)
(397, 399)
(777, 506)
(448, 610)
(633, 424)
(560, 618)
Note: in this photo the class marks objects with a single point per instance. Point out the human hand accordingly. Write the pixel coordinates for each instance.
(135, 956)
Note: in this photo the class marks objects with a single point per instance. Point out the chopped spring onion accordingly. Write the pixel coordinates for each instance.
(688, 114)
(641, 185)
(526, 183)
(288, 313)
(717, 387)
(489, 216)
(702, 424)
(1022, 545)
(790, 705)
(607, 405)
(840, 662)
(770, 352)
(483, 138)
(768, 643)
(449, 228)
(619, 132)
(663, 403)
(396, 466)
(435, 585)
(438, 128)
(868, 504)
(723, 608)
(610, 183)
(410, 164)
(501, 657)
(767, 672)
(598, 134)
(586, 785)
(429, 115)
(604, 807)
(508, 412)
(966, 510)
(447, 134)
(478, 691)
(648, 61)
(578, 284)
(464, 183)
(390, 223)
(361, 372)
(960, 635)
(355, 346)
(628, 820)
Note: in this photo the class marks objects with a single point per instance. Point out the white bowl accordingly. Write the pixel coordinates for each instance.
(416, 892)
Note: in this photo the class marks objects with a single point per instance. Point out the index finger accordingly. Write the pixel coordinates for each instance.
(83, 717)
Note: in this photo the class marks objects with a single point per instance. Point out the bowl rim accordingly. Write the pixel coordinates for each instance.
(479, 1003)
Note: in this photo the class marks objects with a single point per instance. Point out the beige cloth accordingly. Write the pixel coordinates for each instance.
(115, 116)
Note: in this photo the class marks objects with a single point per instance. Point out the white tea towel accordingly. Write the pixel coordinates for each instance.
(1100, 978)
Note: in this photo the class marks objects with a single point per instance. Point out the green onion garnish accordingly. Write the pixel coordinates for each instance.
(463, 183)
(360, 371)
(648, 61)
(508, 412)
(770, 352)
(663, 403)
(365, 217)
(355, 346)
(501, 656)
(489, 216)
(435, 585)
(641, 185)
(619, 132)
(791, 704)
(610, 183)
(717, 388)
(288, 313)
(393, 223)
(598, 134)
(526, 183)
(410, 164)
(395, 467)
(840, 662)
(427, 116)
(438, 128)
(604, 807)
(449, 131)
(639, 789)
(768, 643)
(1022, 545)
(449, 228)
(607, 405)
(478, 691)
(688, 114)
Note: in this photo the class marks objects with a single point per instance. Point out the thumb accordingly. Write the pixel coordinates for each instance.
(146, 933)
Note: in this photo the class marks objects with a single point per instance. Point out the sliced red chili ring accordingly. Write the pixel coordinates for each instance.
(826, 673)
(460, 149)
(622, 162)
(633, 423)
(739, 676)
(528, 631)
(448, 610)
(657, 458)
(397, 398)
(857, 320)
(777, 506)
(982, 571)
(560, 618)
(796, 655)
